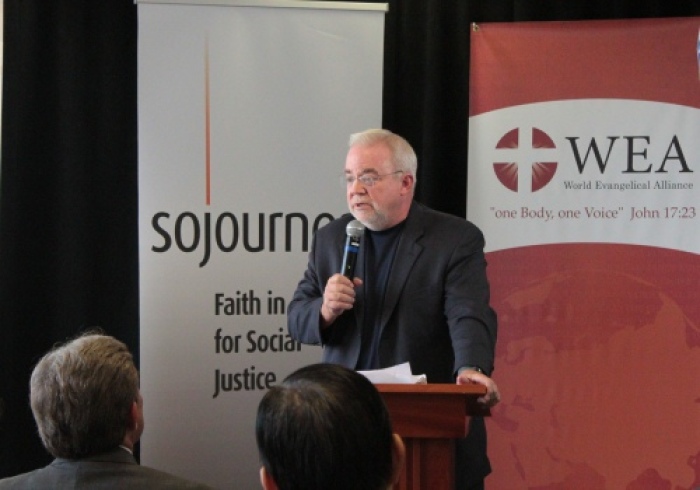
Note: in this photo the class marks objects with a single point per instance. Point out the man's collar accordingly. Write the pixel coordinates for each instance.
(127, 449)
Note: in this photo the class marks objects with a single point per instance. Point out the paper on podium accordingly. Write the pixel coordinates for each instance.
(399, 374)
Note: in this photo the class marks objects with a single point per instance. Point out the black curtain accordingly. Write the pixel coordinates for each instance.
(68, 195)
(68, 188)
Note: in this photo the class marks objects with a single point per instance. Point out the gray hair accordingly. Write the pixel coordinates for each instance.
(403, 156)
(81, 395)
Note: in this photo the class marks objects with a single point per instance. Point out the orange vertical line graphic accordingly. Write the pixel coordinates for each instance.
(207, 125)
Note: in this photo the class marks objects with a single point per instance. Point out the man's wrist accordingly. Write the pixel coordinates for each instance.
(473, 368)
(328, 316)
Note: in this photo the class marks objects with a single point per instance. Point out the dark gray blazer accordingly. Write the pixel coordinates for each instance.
(115, 469)
(436, 311)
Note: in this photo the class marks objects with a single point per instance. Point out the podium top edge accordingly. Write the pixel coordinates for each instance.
(432, 389)
(307, 4)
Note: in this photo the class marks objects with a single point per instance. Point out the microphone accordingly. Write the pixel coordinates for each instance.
(354, 230)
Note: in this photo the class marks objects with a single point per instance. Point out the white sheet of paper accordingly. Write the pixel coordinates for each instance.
(399, 374)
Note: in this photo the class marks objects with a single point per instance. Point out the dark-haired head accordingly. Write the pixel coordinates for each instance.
(324, 427)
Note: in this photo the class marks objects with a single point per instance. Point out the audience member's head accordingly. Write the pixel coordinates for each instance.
(85, 397)
(325, 427)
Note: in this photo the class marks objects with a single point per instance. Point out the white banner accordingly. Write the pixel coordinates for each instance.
(244, 116)
(621, 171)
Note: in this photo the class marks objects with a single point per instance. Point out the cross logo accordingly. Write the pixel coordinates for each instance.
(525, 168)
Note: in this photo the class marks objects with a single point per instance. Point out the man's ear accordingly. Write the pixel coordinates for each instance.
(133, 431)
(266, 480)
(398, 458)
(134, 416)
(408, 183)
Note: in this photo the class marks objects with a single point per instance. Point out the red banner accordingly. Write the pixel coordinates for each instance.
(584, 163)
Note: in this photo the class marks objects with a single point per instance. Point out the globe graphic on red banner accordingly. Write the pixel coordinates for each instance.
(598, 361)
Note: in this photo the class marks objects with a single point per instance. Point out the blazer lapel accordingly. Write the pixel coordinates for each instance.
(407, 253)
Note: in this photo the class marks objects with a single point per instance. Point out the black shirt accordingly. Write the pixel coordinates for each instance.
(379, 255)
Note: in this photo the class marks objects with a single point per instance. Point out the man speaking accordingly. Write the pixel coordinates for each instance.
(419, 293)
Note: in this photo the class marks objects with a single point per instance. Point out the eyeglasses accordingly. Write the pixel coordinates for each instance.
(367, 180)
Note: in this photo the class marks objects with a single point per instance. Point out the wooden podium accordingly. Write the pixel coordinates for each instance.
(429, 417)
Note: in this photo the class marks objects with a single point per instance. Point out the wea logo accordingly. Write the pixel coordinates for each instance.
(527, 162)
